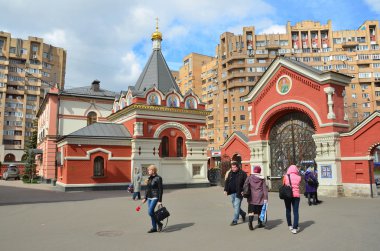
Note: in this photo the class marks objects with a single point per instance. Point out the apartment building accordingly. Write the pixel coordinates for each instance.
(242, 59)
(28, 68)
(190, 73)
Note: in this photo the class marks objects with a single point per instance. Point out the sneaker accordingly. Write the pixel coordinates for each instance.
(290, 228)
(152, 231)
(233, 223)
(295, 230)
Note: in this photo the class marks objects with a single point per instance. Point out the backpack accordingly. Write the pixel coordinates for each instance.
(285, 191)
(246, 188)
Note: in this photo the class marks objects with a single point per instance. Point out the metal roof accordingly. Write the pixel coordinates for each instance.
(156, 72)
(100, 130)
(89, 91)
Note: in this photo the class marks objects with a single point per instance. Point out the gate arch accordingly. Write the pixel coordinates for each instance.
(290, 142)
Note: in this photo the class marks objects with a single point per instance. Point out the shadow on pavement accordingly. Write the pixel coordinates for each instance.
(10, 195)
(306, 224)
(177, 227)
(273, 223)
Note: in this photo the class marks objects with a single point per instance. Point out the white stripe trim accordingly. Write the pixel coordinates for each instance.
(364, 123)
(92, 184)
(88, 155)
(270, 108)
(358, 158)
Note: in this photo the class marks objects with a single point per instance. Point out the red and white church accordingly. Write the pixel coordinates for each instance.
(151, 123)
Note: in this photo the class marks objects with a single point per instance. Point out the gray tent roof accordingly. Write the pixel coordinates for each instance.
(156, 72)
(100, 130)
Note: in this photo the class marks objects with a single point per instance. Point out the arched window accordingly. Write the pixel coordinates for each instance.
(91, 118)
(165, 147)
(98, 166)
(9, 158)
(179, 147)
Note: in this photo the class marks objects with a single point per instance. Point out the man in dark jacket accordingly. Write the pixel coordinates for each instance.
(234, 187)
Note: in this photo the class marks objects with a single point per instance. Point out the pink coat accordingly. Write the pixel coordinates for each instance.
(295, 178)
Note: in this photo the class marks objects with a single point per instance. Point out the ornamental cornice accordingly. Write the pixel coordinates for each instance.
(146, 107)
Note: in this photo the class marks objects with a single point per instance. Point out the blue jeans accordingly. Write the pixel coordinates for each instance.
(152, 202)
(295, 203)
(236, 203)
(136, 194)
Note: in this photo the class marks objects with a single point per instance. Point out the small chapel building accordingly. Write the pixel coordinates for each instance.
(150, 123)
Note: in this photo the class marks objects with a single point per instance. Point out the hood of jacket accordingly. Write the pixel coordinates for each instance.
(292, 170)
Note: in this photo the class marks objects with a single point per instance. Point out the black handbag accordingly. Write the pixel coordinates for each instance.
(285, 191)
(247, 189)
(161, 213)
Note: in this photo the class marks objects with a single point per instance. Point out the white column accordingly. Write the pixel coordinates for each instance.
(328, 157)
(330, 91)
(138, 129)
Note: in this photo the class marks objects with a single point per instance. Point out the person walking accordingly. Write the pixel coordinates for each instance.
(153, 194)
(234, 187)
(137, 177)
(259, 196)
(295, 180)
(311, 186)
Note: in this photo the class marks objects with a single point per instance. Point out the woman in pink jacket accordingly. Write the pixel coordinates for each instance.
(294, 202)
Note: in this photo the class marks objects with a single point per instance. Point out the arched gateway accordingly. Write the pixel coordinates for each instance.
(290, 142)
(297, 115)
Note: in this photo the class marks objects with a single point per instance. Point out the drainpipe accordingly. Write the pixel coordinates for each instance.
(370, 177)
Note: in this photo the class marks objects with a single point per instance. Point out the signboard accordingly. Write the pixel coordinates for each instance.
(326, 171)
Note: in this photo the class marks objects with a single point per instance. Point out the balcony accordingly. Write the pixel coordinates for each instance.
(15, 91)
(349, 44)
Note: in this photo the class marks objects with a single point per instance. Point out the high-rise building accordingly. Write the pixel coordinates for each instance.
(190, 73)
(28, 68)
(242, 59)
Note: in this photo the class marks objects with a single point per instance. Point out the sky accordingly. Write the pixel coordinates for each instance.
(109, 40)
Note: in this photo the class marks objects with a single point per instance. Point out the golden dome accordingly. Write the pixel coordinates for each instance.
(157, 34)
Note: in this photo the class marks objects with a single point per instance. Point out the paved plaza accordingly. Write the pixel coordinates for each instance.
(36, 217)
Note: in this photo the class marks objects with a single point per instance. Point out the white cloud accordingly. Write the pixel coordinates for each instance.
(57, 37)
(274, 29)
(129, 72)
(374, 4)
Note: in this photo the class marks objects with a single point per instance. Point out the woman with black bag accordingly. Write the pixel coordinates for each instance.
(153, 194)
(293, 179)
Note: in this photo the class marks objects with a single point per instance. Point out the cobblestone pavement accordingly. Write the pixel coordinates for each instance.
(36, 217)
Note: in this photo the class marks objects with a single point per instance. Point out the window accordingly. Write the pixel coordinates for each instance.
(366, 105)
(165, 147)
(365, 95)
(242, 108)
(9, 158)
(355, 115)
(242, 117)
(98, 167)
(91, 118)
(242, 127)
(366, 114)
(355, 105)
(179, 147)
(353, 95)
(353, 86)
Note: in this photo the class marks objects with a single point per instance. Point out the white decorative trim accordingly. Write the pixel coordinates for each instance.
(167, 125)
(92, 184)
(330, 91)
(358, 158)
(88, 155)
(138, 129)
(270, 108)
(324, 78)
(361, 125)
